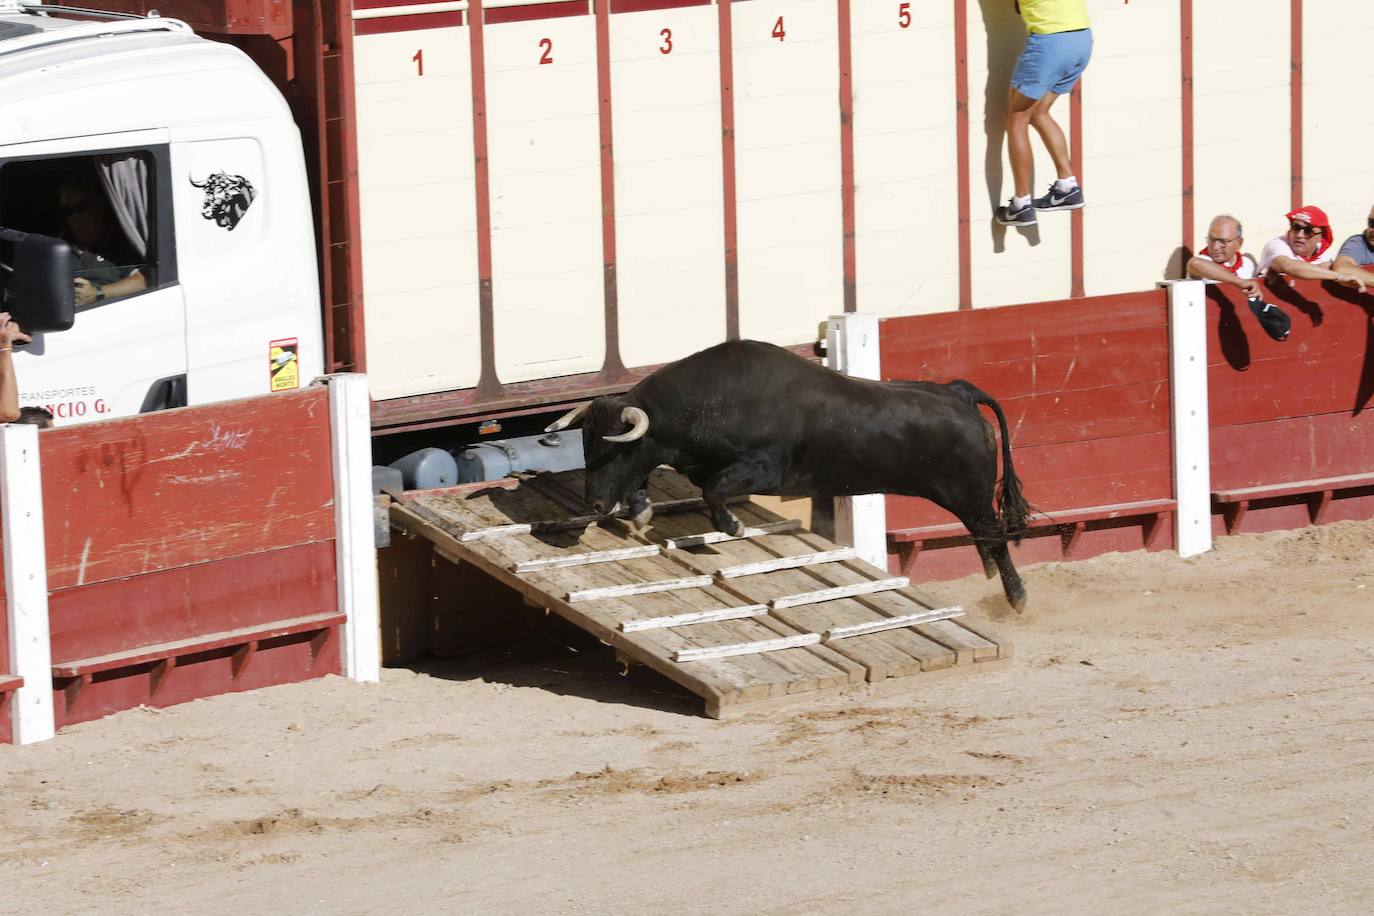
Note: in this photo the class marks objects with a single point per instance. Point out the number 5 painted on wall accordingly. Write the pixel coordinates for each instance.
(904, 15)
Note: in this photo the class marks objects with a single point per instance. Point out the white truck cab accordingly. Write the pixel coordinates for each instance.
(171, 167)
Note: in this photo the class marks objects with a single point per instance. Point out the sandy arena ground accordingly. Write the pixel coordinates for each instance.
(1174, 737)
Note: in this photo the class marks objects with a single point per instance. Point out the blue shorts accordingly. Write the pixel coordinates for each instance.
(1052, 63)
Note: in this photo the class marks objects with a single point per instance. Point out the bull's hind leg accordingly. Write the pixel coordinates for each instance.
(992, 546)
(757, 474)
(984, 554)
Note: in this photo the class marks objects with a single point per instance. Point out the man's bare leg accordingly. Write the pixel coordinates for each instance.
(1051, 133)
(1018, 121)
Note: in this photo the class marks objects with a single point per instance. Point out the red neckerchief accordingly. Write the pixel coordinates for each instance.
(1233, 267)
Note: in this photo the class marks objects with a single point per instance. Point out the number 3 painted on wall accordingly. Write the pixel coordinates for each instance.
(547, 45)
(667, 41)
(904, 15)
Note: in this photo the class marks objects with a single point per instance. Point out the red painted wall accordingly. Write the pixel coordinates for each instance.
(1293, 410)
(1085, 387)
(182, 524)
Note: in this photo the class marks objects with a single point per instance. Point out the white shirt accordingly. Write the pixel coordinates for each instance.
(1279, 248)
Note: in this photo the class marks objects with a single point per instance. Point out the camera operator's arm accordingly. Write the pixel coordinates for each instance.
(9, 387)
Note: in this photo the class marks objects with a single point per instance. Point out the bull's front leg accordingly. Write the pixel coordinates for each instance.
(754, 474)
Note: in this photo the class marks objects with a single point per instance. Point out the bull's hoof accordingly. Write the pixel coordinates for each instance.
(989, 567)
(1019, 602)
(639, 522)
(733, 527)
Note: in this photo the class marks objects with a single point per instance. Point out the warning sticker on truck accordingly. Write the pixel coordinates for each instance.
(285, 367)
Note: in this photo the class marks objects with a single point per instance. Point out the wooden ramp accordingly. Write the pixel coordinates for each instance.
(779, 613)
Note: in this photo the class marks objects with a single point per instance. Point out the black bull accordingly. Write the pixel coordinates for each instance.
(747, 417)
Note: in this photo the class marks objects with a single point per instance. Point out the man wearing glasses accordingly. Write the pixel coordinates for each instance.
(1223, 261)
(1358, 250)
(105, 270)
(1302, 251)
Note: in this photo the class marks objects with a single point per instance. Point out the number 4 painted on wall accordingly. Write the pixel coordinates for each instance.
(778, 31)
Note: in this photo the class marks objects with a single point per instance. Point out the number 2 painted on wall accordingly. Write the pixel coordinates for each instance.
(667, 47)
(419, 60)
(547, 45)
(904, 15)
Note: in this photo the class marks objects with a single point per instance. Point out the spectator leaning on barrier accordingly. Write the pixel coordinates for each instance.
(1358, 250)
(1302, 251)
(1059, 44)
(1223, 260)
(10, 333)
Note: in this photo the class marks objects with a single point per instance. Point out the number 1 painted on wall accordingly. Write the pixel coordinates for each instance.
(419, 60)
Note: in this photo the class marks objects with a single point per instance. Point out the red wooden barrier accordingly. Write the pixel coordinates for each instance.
(1292, 433)
(1085, 387)
(190, 553)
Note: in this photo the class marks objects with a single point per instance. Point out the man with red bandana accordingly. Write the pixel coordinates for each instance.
(1302, 251)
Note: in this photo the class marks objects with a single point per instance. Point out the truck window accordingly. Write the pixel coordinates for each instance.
(106, 206)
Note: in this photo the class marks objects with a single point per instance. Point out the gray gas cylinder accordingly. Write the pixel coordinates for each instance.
(549, 452)
(427, 468)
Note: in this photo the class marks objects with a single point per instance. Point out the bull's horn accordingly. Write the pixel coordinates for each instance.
(568, 419)
(199, 184)
(639, 418)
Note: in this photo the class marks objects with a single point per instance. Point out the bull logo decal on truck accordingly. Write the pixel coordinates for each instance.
(227, 198)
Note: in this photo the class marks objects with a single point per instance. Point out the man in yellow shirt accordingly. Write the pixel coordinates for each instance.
(1059, 44)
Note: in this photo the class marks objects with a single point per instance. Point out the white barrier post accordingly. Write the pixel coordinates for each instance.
(851, 348)
(26, 582)
(1188, 399)
(350, 430)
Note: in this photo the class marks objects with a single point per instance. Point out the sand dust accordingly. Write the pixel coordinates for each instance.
(1180, 736)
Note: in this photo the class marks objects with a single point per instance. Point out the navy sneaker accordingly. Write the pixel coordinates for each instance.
(1056, 200)
(1022, 217)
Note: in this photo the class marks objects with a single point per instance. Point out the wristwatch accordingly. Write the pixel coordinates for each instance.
(100, 294)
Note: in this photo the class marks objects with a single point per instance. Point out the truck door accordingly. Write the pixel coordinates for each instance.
(110, 198)
(248, 262)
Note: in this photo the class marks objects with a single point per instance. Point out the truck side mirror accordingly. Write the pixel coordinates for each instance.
(36, 281)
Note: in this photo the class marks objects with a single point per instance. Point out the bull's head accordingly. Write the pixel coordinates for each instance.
(617, 454)
(227, 198)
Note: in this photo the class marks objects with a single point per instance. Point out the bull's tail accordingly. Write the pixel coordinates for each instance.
(1012, 507)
